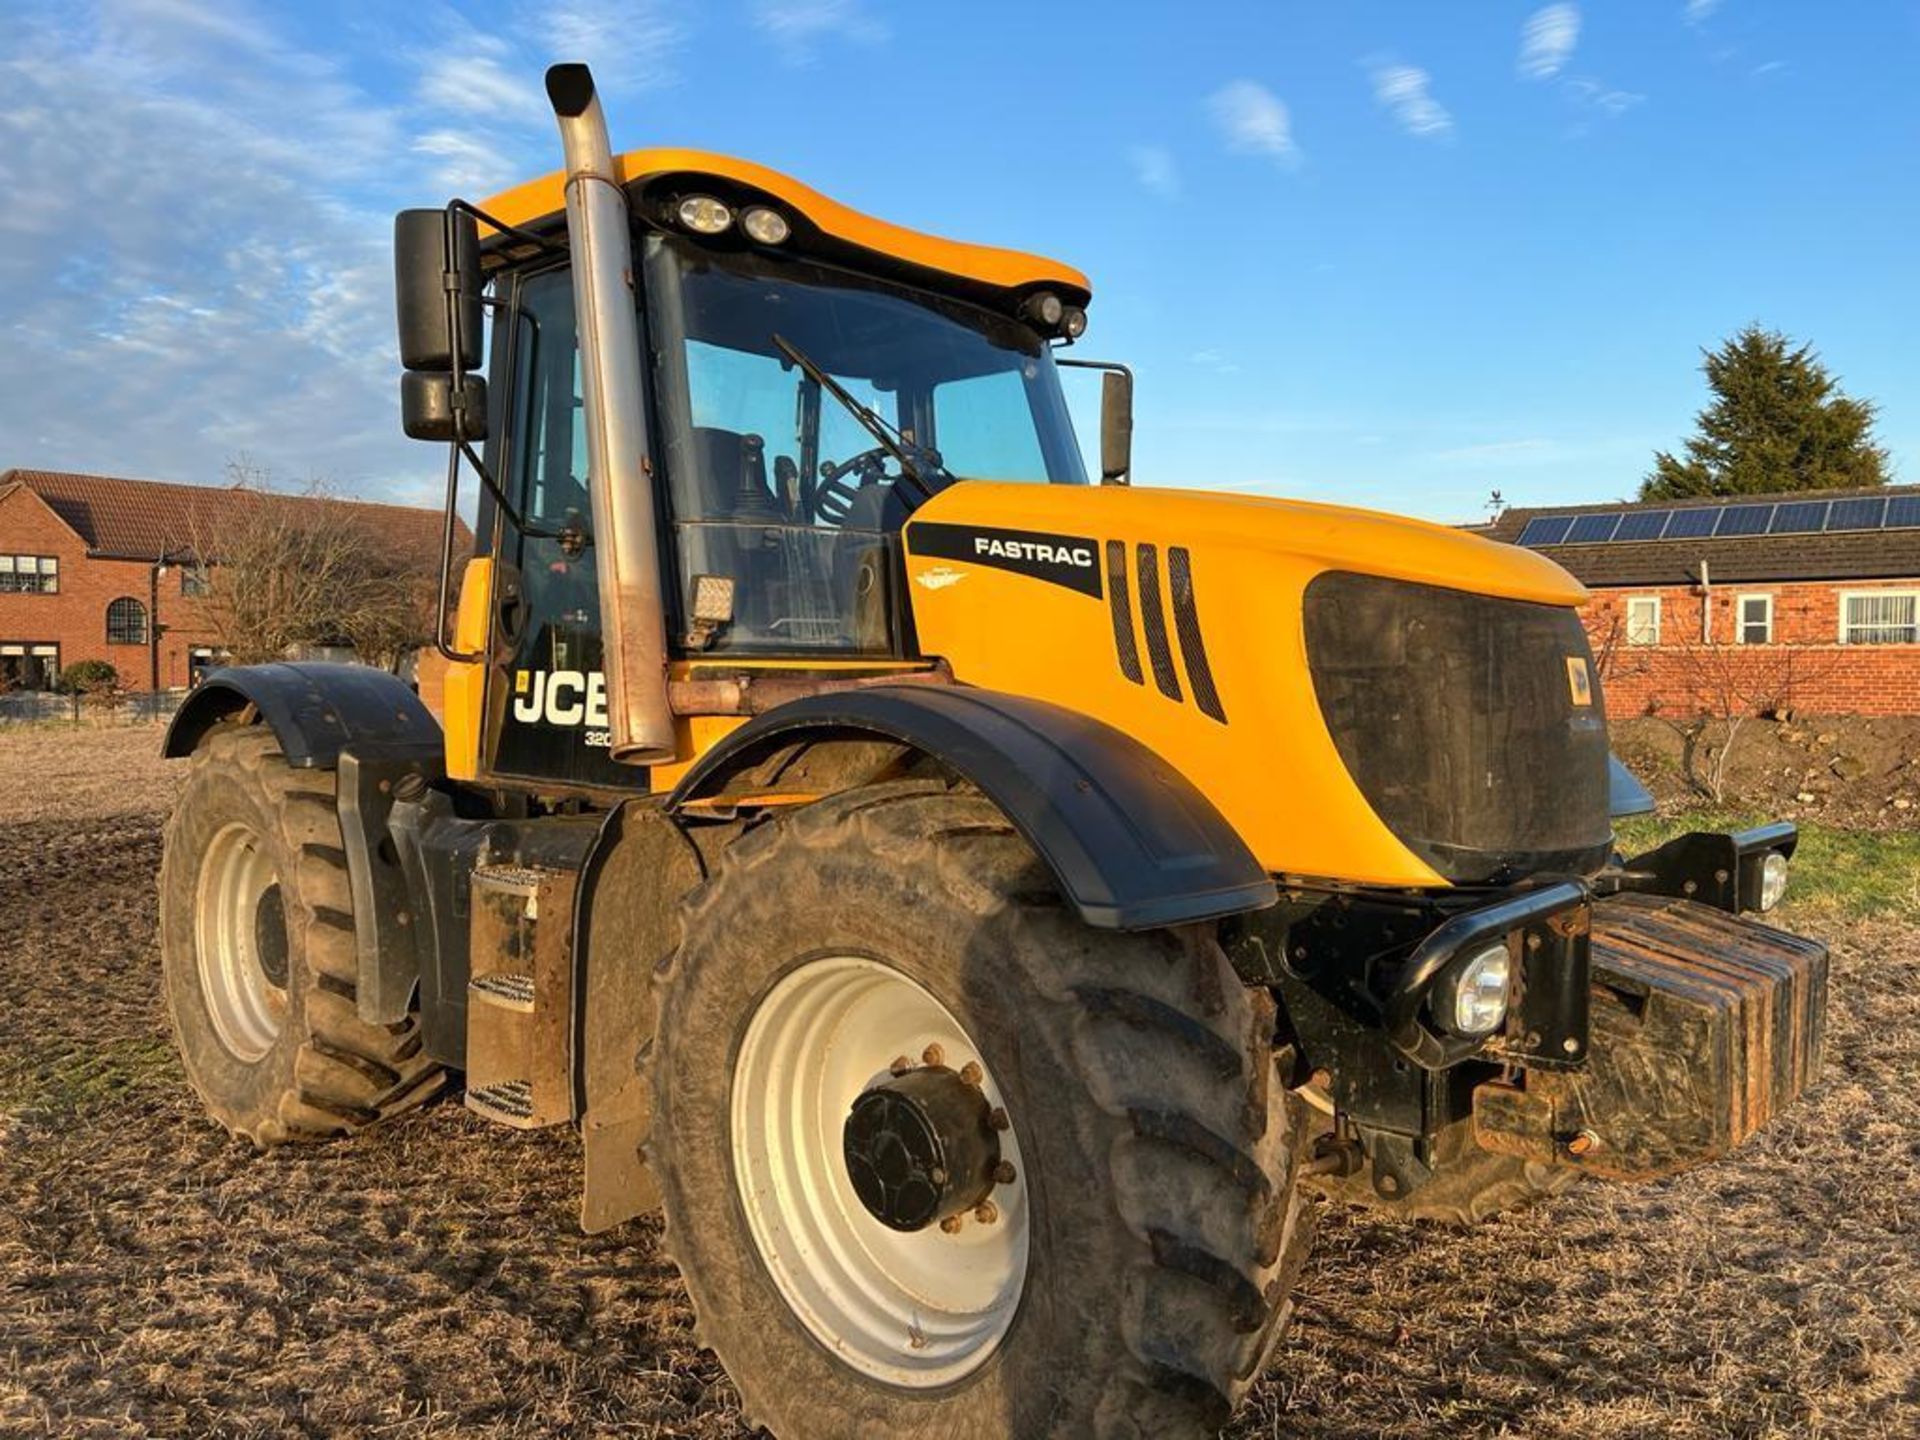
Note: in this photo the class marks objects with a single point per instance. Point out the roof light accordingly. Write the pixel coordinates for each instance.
(768, 227)
(1073, 324)
(1043, 307)
(704, 215)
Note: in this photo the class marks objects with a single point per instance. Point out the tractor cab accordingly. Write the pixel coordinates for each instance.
(807, 378)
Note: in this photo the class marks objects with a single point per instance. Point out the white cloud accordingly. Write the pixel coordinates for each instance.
(1594, 95)
(1404, 91)
(1547, 41)
(1698, 10)
(196, 253)
(1254, 120)
(479, 85)
(1154, 168)
(798, 27)
(1213, 360)
(465, 165)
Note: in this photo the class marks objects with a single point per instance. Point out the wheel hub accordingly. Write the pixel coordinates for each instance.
(921, 1147)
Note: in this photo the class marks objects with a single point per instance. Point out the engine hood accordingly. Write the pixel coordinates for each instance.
(1179, 617)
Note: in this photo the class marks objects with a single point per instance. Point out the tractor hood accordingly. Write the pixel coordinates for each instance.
(1366, 698)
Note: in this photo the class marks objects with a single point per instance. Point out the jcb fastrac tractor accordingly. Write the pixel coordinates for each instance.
(976, 906)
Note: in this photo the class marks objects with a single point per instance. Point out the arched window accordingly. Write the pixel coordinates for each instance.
(126, 622)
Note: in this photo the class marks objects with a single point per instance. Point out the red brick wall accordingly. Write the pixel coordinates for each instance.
(1806, 665)
(75, 619)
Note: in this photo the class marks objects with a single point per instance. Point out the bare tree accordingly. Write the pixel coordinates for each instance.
(1716, 689)
(282, 572)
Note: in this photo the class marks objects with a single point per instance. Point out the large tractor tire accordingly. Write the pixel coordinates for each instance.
(1129, 1270)
(1469, 1184)
(257, 953)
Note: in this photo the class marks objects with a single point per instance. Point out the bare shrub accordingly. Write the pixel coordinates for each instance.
(282, 572)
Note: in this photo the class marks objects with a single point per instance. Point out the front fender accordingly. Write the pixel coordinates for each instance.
(1131, 841)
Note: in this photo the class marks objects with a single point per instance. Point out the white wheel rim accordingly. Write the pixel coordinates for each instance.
(916, 1309)
(244, 1002)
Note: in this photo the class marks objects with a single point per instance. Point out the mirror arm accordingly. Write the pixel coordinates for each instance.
(541, 242)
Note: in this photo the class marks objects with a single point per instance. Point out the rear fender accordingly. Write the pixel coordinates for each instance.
(371, 728)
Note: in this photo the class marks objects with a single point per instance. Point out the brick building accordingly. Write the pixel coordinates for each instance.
(1809, 601)
(98, 568)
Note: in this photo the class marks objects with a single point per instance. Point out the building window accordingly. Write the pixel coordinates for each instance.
(194, 583)
(1643, 620)
(1880, 617)
(29, 575)
(1756, 620)
(25, 666)
(126, 622)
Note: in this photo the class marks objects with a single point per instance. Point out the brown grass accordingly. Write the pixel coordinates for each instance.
(430, 1281)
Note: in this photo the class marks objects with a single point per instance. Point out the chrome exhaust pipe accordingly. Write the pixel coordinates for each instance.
(626, 541)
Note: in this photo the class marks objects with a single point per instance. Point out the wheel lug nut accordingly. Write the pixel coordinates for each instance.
(951, 1225)
(1004, 1173)
(937, 1175)
(900, 1065)
(986, 1212)
(933, 1055)
(972, 1073)
(998, 1119)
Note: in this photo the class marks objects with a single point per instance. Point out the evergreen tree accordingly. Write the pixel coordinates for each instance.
(1777, 422)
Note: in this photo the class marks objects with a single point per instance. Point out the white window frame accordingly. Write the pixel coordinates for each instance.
(1847, 597)
(1740, 617)
(1633, 600)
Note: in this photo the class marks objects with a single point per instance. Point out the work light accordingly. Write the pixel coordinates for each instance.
(1471, 998)
(704, 215)
(1773, 879)
(1073, 324)
(768, 227)
(1044, 308)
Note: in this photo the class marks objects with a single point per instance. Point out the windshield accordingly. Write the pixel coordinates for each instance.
(780, 485)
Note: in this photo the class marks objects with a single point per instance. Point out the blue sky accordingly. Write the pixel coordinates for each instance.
(1398, 254)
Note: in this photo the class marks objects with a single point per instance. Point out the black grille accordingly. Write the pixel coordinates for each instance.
(1119, 594)
(1154, 620)
(1455, 714)
(1186, 624)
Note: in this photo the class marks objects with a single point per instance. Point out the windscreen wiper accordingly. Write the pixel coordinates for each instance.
(890, 439)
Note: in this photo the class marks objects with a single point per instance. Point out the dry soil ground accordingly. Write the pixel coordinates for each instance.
(156, 1278)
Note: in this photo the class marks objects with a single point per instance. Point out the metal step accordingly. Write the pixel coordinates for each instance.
(508, 1101)
(505, 988)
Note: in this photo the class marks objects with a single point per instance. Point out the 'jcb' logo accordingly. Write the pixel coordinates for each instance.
(560, 697)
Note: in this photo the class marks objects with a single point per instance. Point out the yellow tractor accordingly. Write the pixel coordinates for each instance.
(977, 906)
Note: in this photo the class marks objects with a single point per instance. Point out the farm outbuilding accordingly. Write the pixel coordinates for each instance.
(1804, 601)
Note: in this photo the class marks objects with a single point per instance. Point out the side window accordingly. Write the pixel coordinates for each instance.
(984, 428)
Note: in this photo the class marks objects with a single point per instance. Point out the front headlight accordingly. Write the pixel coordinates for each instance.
(1773, 879)
(1470, 999)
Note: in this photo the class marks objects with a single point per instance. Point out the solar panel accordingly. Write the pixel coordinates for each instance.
(1864, 514)
(1642, 525)
(1546, 530)
(1744, 520)
(1592, 529)
(1692, 524)
(1799, 517)
(1903, 511)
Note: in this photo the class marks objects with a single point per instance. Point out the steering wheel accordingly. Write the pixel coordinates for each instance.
(833, 495)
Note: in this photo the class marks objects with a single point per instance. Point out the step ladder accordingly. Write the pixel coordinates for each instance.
(519, 996)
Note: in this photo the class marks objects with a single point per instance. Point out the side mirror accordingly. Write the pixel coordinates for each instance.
(1116, 426)
(432, 409)
(436, 282)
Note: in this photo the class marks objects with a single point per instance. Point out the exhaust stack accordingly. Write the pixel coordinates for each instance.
(619, 480)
